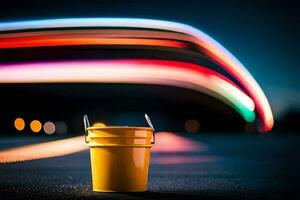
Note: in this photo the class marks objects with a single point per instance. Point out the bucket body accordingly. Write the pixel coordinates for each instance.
(120, 158)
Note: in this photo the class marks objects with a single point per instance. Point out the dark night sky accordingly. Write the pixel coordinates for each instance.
(263, 35)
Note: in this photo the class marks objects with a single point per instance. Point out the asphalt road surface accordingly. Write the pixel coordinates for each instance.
(211, 166)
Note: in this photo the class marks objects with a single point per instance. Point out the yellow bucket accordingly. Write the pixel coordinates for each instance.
(120, 157)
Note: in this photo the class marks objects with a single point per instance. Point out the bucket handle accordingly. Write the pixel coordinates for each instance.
(86, 124)
(151, 125)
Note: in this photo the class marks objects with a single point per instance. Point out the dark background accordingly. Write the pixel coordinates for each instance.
(263, 35)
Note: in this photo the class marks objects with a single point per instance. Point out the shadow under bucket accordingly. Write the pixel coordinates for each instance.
(120, 157)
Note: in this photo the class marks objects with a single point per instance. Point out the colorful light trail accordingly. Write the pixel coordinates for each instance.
(211, 47)
(158, 72)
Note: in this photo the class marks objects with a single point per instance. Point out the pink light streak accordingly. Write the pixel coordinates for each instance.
(168, 142)
(158, 72)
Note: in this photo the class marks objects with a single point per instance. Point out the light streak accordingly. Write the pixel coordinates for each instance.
(212, 48)
(140, 71)
(43, 150)
(77, 144)
(57, 41)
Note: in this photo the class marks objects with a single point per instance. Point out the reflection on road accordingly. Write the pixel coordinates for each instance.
(182, 159)
(168, 142)
(170, 148)
(43, 150)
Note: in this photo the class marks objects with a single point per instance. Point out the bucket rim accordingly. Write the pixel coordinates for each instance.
(121, 127)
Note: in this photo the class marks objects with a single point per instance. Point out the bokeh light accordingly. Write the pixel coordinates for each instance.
(61, 127)
(49, 128)
(99, 124)
(36, 126)
(19, 124)
(192, 126)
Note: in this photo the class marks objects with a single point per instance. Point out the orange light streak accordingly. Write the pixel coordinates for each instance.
(43, 150)
(42, 41)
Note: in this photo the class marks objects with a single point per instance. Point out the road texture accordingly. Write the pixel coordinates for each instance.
(223, 166)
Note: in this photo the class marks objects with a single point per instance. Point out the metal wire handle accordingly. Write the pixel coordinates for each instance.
(151, 125)
(86, 124)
